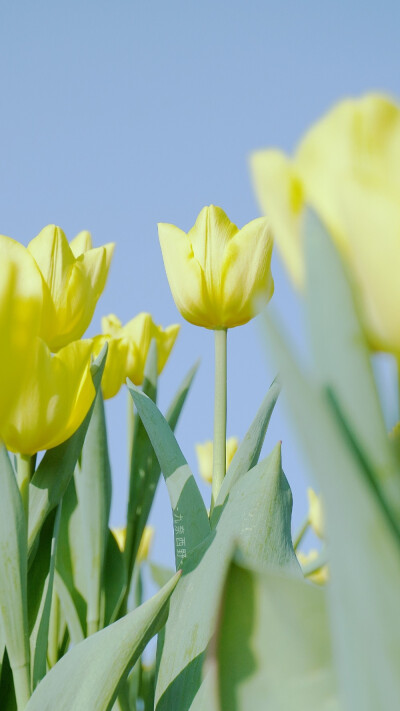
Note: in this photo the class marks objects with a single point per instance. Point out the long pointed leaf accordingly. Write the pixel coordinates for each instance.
(13, 578)
(191, 524)
(95, 668)
(93, 488)
(249, 449)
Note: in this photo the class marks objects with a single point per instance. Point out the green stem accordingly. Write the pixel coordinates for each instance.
(22, 685)
(219, 449)
(297, 539)
(24, 473)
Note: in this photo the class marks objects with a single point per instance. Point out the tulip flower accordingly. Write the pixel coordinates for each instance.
(219, 275)
(144, 545)
(347, 168)
(21, 299)
(74, 277)
(204, 454)
(315, 513)
(128, 347)
(56, 395)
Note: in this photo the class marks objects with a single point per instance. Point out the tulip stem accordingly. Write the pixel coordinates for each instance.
(24, 473)
(219, 448)
(299, 535)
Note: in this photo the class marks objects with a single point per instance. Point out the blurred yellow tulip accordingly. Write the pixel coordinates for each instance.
(21, 300)
(315, 513)
(320, 576)
(56, 395)
(74, 276)
(204, 454)
(144, 545)
(347, 168)
(220, 276)
(128, 347)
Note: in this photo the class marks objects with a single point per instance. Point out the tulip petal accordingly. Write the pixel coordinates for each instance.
(210, 237)
(57, 394)
(247, 263)
(281, 195)
(81, 243)
(185, 276)
(21, 301)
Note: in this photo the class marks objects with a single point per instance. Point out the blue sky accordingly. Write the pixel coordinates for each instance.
(115, 116)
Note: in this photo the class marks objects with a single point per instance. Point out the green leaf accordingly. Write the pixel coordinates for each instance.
(13, 578)
(71, 558)
(191, 523)
(364, 549)
(145, 469)
(54, 472)
(342, 360)
(39, 636)
(249, 449)
(93, 488)
(273, 648)
(69, 610)
(160, 574)
(114, 582)
(95, 668)
(257, 518)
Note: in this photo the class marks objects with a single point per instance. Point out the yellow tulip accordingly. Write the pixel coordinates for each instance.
(219, 275)
(56, 395)
(348, 169)
(128, 347)
(204, 454)
(74, 276)
(320, 576)
(315, 513)
(144, 545)
(21, 299)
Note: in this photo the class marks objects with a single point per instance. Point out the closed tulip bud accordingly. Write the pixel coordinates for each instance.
(219, 275)
(128, 347)
(315, 513)
(74, 277)
(56, 395)
(204, 454)
(21, 300)
(347, 168)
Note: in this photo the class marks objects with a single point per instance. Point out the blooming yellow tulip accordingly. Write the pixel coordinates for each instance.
(74, 276)
(128, 347)
(144, 545)
(204, 454)
(21, 299)
(320, 576)
(219, 275)
(315, 513)
(348, 169)
(56, 395)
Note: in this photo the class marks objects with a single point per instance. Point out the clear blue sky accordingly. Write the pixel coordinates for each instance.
(117, 115)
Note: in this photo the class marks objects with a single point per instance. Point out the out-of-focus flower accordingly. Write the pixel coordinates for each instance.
(56, 395)
(74, 278)
(21, 300)
(128, 347)
(220, 276)
(145, 543)
(347, 168)
(315, 513)
(204, 454)
(320, 576)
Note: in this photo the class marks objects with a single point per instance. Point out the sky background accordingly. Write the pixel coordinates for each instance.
(118, 115)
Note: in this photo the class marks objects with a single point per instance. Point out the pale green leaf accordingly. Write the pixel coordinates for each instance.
(90, 674)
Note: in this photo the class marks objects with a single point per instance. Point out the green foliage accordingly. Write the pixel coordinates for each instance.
(95, 667)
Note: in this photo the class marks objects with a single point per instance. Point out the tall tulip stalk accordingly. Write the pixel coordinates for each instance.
(252, 618)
